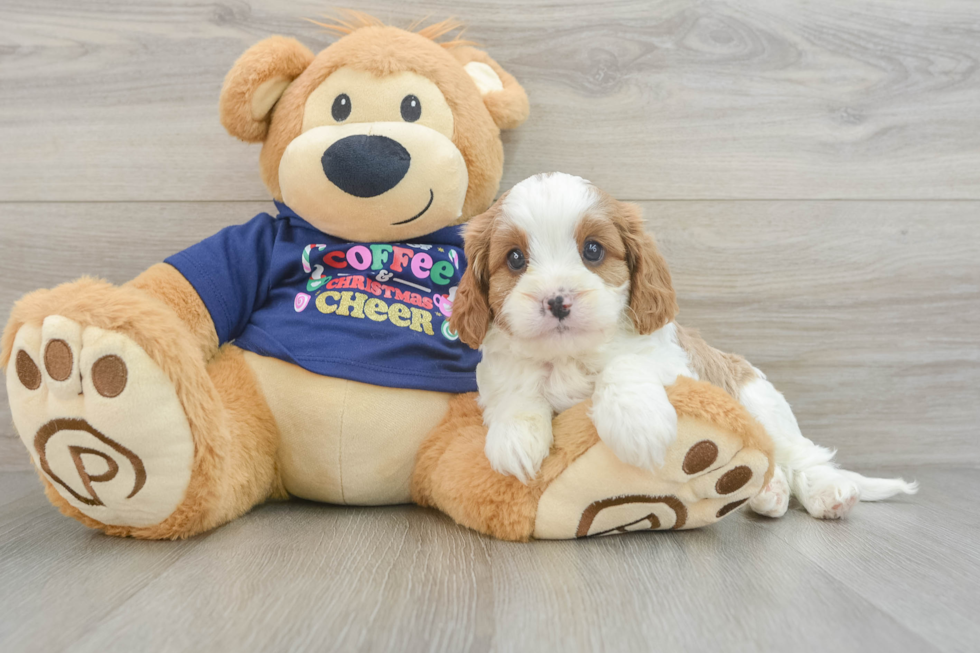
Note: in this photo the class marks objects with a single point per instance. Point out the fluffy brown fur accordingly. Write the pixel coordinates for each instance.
(613, 267)
(229, 476)
(453, 475)
(502, 279)
(727, 371)
(471, 308)
(165, 283)
(508, 107)
(652, 300)
(277, 57)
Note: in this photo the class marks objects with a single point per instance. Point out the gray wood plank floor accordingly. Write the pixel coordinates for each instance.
(896, 576)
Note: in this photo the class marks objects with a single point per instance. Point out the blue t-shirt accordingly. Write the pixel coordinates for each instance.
(370, 312)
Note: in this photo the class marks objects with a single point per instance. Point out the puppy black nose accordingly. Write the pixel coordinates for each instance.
(365, 166)
(559, 308)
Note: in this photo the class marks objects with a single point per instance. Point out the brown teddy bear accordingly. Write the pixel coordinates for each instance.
(309, 353)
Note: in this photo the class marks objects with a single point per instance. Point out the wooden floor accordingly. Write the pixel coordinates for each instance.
(812, 172)
(898, 576)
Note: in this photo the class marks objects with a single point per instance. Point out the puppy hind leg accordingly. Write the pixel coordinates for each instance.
(773, 499)
(826, 491)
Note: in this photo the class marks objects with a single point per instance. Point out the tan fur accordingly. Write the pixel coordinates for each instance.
(613, 268)
(502, 278)
(652, 300)
(165, 283)
(273, 58)
(727, 371)
(228, 476)
(471, 308)
(453, 474)
(510, 106)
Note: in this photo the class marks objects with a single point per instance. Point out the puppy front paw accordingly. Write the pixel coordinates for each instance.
(518, 446)
(638, 430)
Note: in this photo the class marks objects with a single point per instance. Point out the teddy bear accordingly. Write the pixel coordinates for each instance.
(307, 352)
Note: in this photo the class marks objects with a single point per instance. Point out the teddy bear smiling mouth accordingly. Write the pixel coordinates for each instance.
(419, 214)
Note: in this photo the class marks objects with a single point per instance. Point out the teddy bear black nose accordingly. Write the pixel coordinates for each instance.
(365, 166)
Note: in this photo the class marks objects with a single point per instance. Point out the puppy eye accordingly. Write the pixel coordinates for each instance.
(593, 251)
(411, 108)
(516, 260)
(341, 108)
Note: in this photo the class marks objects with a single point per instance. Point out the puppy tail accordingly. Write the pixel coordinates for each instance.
(877, 489)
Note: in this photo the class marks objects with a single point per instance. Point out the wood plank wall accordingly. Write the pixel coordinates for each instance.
(812, 171)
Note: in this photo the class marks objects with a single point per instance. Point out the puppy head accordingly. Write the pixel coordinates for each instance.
(559, 262)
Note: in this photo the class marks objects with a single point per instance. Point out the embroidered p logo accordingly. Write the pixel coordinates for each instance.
(631, 512)
(91, 465)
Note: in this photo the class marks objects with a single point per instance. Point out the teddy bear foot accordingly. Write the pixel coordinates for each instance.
(101, 420)
(721, 459)
(709, 473)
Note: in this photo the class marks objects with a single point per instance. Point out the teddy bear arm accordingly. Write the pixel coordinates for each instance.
(162, 281)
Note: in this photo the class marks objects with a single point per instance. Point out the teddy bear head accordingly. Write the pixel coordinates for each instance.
(385, 135)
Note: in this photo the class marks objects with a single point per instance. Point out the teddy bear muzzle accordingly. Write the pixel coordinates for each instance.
(378, 181)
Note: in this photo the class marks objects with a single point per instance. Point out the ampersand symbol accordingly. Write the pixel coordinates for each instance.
(384, 275)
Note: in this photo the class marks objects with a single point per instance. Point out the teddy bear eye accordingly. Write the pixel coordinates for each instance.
(516, 260)
(341, 107)
(411, 108)
(592, 251)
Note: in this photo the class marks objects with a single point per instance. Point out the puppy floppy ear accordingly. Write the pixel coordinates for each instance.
(504, 98)
(256, 82)
(652, 300)
(471, 307)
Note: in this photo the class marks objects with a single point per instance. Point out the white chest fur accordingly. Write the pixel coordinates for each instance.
(566, 383)
(515, 371)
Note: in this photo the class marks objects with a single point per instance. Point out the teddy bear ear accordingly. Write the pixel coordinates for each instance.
(257, 81)
(502, 95)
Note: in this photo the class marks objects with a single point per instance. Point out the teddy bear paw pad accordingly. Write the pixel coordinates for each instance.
(101, 420)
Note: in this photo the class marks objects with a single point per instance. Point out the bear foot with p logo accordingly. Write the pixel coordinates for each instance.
(102, 421)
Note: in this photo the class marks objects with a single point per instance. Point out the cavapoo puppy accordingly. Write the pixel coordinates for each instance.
(569, 299)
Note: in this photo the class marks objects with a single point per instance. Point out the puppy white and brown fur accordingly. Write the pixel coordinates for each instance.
(569, 299)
